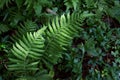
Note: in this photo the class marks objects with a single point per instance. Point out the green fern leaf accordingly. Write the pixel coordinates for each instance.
(29, 26)
(27, 52)
(33, 47)
(60, 33)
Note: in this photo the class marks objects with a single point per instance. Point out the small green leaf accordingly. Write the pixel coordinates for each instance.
(19, 3)
(37, 8)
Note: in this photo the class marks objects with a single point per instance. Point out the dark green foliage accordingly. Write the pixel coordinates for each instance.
(116, 13)
(59, 40)
(28, 26)
(3, 28)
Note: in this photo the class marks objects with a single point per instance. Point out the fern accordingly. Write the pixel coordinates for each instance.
(34, 48)
(27, 52)
(60, 33)
(29, 26)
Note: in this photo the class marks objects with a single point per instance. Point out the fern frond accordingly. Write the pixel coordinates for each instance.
(60, 33)
(29, 26)
(27, 52)
(33, 48)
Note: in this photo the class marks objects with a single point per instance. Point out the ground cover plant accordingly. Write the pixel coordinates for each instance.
(59, 40)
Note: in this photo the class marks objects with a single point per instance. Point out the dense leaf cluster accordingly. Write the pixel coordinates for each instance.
(59, 40)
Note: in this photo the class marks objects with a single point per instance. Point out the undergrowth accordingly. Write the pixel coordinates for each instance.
(59, 40)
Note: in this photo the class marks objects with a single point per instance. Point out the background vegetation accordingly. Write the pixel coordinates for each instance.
(59, 40)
